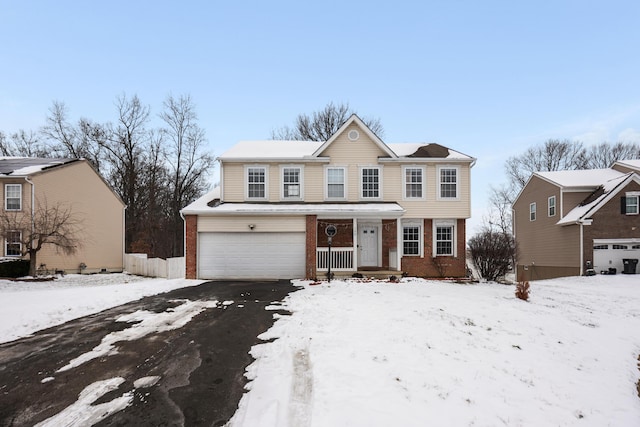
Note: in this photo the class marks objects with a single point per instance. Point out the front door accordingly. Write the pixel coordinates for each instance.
(368, 245)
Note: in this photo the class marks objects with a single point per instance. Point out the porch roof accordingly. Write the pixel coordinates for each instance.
(323, 210)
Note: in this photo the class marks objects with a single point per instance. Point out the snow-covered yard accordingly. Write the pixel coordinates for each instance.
(26, 307)
(428, 353)
(412, 354)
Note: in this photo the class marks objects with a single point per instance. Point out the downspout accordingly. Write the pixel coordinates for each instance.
(581, 248)
(124, 237)
(33, 213)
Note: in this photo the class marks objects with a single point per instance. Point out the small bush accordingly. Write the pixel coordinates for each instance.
(14, 268)
(522, 290)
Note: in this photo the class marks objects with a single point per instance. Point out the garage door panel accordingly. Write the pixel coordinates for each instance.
(251, 255)
(611, 255)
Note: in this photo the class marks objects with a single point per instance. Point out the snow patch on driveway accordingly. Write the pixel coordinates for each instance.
(84, 413)
(149, 323)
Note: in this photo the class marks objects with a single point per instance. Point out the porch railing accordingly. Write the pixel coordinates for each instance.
(341, 259)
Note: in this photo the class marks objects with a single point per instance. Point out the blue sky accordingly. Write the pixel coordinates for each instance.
(486, 78)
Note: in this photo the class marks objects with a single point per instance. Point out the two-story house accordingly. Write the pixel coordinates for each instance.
(30, 185)
(569, 222)
(395, 207)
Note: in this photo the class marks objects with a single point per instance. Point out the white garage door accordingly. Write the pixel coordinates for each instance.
(251, 255)
(611, 253)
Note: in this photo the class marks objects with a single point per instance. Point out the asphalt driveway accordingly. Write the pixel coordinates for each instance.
(190, 375)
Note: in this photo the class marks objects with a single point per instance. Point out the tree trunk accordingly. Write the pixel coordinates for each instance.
(33, 266)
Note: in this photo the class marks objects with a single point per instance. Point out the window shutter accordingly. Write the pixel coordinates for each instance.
(623, 205)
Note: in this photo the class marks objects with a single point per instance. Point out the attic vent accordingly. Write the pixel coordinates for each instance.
(353, 135)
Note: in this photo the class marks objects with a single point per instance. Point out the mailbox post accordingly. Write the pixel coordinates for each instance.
(330, 230)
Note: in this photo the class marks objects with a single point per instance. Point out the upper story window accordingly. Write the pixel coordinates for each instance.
(291, 182)
(413, 183)
(532, 211)
(336, 183)
(13, 197)
(552, 206)
(448, 182)
(630, 203)
(256, 182)
(370, 183)
(13, 243)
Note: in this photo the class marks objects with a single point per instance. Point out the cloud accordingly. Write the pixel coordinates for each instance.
(629, 135)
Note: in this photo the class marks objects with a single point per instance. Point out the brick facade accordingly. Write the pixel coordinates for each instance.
(342, 239)
(610, 223)
(442, 266)
(191, 246)
(312, 236)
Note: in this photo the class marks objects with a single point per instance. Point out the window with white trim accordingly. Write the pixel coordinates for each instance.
(444, 239)
(532, 211)
(413, 182)
(291, 182)
(13, 197)
(448, 182)
(335, 183)
(13, 243)
(552, 206)
(370, 183)
(631, 205)
(256, 182)
(411, 239)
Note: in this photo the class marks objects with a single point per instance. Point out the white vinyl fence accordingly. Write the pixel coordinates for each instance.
(139, 264)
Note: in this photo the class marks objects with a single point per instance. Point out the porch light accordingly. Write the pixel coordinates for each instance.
(252, 226)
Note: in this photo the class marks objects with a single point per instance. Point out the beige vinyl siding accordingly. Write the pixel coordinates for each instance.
(314, 182)
(78, 186)
(541, 243)
(570, 200)
(240, 223)
(233, 183)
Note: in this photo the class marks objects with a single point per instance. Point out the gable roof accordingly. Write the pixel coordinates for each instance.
(631, 164)
(579, 179)
(272, 150)
(599, 198)
(351, 120)
(26, 166)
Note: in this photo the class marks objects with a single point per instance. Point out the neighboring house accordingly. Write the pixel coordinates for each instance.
(567, 222)
(72, 184)
(396, 207)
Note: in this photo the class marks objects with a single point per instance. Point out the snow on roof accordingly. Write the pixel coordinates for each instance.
(580, 178)
(25, 166)
(206, 205)
(634, 164)
(582, 212)
(202, 203)
(271, 150)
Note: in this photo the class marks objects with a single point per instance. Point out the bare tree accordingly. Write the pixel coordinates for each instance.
(553, 155)
(499, 217)
(604, 155)
(321, 125)
(126, 151)
(46, 225)
(65, 140)
(189, 164)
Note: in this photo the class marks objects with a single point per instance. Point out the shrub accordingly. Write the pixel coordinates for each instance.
(522, 290)
(14, 268)
(492, 252)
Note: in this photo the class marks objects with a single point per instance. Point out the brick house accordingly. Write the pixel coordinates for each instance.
(396, 207)
(568, 222)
